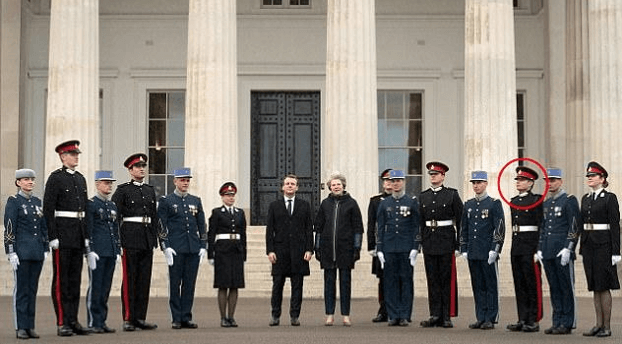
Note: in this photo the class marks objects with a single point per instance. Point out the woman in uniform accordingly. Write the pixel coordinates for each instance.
(227, 252)
(600, 245)
(26, 245)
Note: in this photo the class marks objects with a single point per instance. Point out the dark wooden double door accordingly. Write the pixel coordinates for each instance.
(285, 138)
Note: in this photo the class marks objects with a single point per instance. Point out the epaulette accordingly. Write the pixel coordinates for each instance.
(12, 196)
(426, 190)
(376, 196)
(124, 184)
(413, 197)
(58, 170)
(451, 189)
(92, 199)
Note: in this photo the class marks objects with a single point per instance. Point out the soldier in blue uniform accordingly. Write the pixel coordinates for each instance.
(103, 230)
(481, 241)
(183, 240)
(227, 252)
(558, 238)
(372, 234)
(525, 235)
(397, 249)
(26, 246)
(139, 230)
(441, 213)
(600, 245)
(64, 207)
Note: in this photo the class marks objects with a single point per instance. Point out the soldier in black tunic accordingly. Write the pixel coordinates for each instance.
(64, 206)
(441, 213)
(139, 232)
(600, 245)
(372, 235)
(525, 236)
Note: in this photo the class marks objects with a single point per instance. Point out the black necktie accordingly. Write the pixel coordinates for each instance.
(289, 206)
(231, 211)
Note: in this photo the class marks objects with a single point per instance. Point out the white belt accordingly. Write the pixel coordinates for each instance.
(525, 228)
(227, 236)
(441, 223)
(596, 226)
(71, 214)
(139, 219)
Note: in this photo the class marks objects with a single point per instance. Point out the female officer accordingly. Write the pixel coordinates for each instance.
(26, 245)
(227, 252)
(600, 246)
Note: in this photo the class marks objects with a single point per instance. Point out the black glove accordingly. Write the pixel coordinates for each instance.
(357, 255)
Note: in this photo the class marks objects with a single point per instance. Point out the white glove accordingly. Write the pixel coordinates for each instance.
(372, 253)
(54, 244)
(465, 256)
(381, 259)
(45, 255)
(168, 254)
(118, 258)
(538, 256)
(211, 261)
(202, 254)
(565, 254)
(14, 259)
(615, 259)
(492, 257)
(413, 257)
(91, 259)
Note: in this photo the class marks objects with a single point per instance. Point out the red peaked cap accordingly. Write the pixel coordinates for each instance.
(436, 167)
(526, 172)
(68, 146)
(595, 168)
(228, 188)
(135, 159)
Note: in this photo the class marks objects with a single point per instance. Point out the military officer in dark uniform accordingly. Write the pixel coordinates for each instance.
(481, 241)
(289, 247)
(600, 245)
(397, 249)
(183, 241)
(26, 246)
(558, 238)
(103, 231)
(441, 213)
(227, 252)
(372, 233)
(525, 235)
(139, 232)
(64, 206)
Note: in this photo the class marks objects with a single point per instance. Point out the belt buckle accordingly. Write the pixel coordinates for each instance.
(590, 226)
(515, 228)
(145, 219)
(434, 224)
(80, 215)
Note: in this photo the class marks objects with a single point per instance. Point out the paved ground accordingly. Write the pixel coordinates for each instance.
(252, 316)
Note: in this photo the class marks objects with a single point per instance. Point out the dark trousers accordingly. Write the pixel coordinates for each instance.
(136, 284)
(383, 308)
(398, 285)
(25, 293)
(278, 281)
(525, 287)
(330, 290)
(438, 274)
(561, 282)
(67, 266)
(485, 290)
(100, 282)
(182, 281)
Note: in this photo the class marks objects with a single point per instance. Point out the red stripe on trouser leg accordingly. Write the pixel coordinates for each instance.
(57, 292)
(538, 273)
(453, 298)
(125, 290)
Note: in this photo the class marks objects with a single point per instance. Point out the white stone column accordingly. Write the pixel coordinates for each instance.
(211, 98)
(490, 129)
(605, 45)
(350, 126)
(577, 96)
(73, 83)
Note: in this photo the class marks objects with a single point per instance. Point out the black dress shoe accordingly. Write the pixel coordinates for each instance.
(380, 318)
(448, 324)
(295, 321)
(79, 330)
(21, 334)
(142, 324)
(488, 325)
(531, 327)
(604, 333)
(64, 331)
(403, 322)
(97, 330)
(476, 325)
(550, 330)
(274, 321)
(176, 325)
(189, 324)
(394, 322)
(433, 321)
(562, 330)
(232, 322)
(108, 329)
(32, 333)
(593, 332)
(224, 322)
(515, 327)
(128, 327)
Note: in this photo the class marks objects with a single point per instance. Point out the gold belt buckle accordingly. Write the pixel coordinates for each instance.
(434, 224)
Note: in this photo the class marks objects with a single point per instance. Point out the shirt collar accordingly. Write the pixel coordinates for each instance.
(481, 196)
